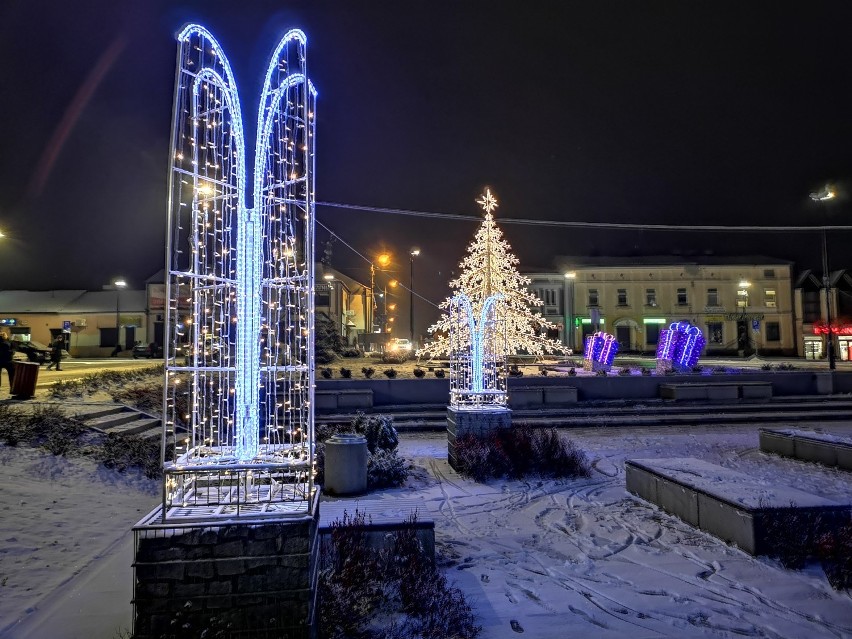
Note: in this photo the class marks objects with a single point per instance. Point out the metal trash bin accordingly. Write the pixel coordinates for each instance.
(26, 376)
(346, 465)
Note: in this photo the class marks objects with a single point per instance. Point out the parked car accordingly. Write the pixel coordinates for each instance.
(399, 345)
(144, 350)
(35, 351)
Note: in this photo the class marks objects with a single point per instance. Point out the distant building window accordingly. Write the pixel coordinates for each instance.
(712, 297)
(769, 298)
(650, 297)
(769, 272)
(811, 310)
(681, 297)
(773, 332)
(622, 297)
(714, 333)
(593, 297)
(323, 298)
(652, 333)
(109, 336)
(550, 297)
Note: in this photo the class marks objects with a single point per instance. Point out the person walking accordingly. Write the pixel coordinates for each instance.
(56, 354)
(6, 357)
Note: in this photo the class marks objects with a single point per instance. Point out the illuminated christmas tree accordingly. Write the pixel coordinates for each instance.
(489, 269)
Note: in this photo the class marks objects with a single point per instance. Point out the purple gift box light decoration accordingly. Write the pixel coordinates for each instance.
(600, 348)
(681, 344)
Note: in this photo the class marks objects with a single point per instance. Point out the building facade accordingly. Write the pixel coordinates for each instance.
(812, 304)
(743, 305)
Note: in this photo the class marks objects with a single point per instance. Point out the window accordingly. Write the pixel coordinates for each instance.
(773, 332)
(769, 272)
(681, 297)
(550, 297)
(652, 333)
(109, 336)
(769, 298)
(593, 297)
(650, 297)
(714, 333)
(811, 307)
(712, 297)
(622, 297)
(323, 297)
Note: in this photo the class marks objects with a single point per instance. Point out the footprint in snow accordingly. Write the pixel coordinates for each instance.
(516, 626)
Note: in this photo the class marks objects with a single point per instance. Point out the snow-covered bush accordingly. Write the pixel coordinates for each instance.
(519, 452)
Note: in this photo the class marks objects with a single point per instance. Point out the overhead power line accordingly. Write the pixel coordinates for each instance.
(615, 226)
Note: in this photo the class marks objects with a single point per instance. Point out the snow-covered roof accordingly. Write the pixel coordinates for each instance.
(73, 301)
(104, 302)
(36, 301)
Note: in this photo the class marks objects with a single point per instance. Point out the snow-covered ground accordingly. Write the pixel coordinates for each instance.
(574, 558)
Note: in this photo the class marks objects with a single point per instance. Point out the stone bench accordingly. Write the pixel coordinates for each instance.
(716, 390)
(328, 401)
(736, 508)
(538, 396)
(822, 448)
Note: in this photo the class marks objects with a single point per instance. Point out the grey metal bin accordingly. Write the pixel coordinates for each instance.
(345, 465)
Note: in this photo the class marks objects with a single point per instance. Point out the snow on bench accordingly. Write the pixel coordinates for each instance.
(755, 515)
(822, 448)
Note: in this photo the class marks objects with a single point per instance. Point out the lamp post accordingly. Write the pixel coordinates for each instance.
(570, 277)
(118, 284)
(823, 196)
(412, 254)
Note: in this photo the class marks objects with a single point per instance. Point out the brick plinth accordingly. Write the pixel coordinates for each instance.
(472, 422)
(254, 579)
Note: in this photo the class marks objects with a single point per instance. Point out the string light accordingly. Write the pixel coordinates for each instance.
(476, 352)
(681, 344)
(240, 280)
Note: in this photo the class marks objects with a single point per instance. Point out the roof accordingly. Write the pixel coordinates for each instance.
(671, 260)
(73, 301)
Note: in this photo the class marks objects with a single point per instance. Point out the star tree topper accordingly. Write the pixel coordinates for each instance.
(488, 202)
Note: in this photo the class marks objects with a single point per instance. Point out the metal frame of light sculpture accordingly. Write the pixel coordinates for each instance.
(477, 355)
(239, 331)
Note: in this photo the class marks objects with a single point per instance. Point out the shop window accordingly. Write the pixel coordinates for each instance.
(622, 297)
(712, 297)
(109, 337)
(652, 333)
(650, 297)
(773, 332)
(769, 298)
(681, 297)
(593, 297)
(715, 333)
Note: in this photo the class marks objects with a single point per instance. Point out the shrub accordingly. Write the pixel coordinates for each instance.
(514, 371)
(390, 373)
(377, 429)
(518, 452)
(439, 372)
(352, 352)
(624, 370)
(645, 371)
(786, 366)
(345, 373)
(396, 357)
(543, 371)
(766, 367)
(419, 372)
(697, 368)
(601, 372)
(121, 452)
(143, 397)
(572, 372)
(368, 371)
(359, 587)
(386, 469)
(327, 373)
(834, 548)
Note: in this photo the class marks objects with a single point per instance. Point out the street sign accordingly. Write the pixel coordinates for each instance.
(755, 325)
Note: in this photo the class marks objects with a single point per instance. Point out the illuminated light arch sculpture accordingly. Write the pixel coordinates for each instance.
(477, 353)
(680, 346)
(599, 351)
(239, 321)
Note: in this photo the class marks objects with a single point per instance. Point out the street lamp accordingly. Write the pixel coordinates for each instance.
(118, 284)
(411, 255)
(568, 314)
(824, 195)
(742, 302)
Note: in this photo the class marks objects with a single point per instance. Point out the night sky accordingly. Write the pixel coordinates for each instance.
(643, 112)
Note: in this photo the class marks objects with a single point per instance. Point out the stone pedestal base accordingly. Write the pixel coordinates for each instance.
(253, 579)
(472, 422)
